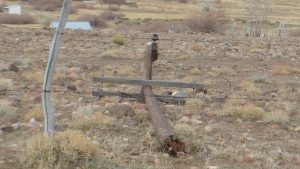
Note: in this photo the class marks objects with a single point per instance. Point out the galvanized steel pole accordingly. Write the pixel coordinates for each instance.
(48, 108)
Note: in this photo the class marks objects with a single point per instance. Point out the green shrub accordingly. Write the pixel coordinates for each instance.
(119, 40)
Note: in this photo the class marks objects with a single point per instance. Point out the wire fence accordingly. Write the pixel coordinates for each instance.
(165, 40)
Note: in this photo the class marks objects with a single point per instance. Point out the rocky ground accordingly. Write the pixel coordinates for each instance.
(253, 124)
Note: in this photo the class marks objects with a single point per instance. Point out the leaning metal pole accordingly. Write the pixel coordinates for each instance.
(48, 107)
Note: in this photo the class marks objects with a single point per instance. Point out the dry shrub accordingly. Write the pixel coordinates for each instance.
(183, 1)
(17, 19)
(296, 33)
(68, 149)
(285, 70)
(2, 5)
(73, 10)
(276, 117)
(95, 21)
(82, 5)
(116, 2)
(6, 84)
(113, 8)
(46, 5)
(109, 15)
(206, 22)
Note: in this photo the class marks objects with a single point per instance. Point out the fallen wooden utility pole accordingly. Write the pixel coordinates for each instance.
(165, 131)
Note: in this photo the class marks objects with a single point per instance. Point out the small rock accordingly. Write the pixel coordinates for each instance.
(34, 97)
(7, 129)
(208, 129)
(72, 87)
(212, 167)
(74, 76)
(131, 122)
(16, 126)
(135, 152)
(194, 168)
(14, 67)
(166, 155)
(184, 119)
(188, 113)
(273, 95)
(34, 124)
(195, 121)
(297, 129)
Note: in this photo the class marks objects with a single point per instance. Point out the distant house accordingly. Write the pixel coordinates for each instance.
(74, 25)
(15, 9)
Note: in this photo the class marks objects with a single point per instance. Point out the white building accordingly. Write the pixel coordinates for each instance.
(15, 9)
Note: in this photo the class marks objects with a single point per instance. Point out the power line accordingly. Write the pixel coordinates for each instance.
(80, 92)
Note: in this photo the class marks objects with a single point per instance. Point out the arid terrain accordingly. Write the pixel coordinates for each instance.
(248, 118)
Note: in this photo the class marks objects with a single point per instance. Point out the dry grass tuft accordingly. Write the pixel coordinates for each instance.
(6, 84)
(36, 113)
(223, 70)
(112, 53)
(92, 121)
(87, 118)
(34, 78)
(7, 112)
(194, 104)
(276, 117)
(249, 87)
(17, 19)
(247, 112)
(68, 149)
(241, 109)
(285, 70)
(196, 71)
(126, 70)
(116, 2)
(94, 20)
(197, 47)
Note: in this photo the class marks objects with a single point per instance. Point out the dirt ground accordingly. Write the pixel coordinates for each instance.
(221, 128)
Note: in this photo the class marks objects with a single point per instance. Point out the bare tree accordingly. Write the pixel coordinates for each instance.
(257, 14)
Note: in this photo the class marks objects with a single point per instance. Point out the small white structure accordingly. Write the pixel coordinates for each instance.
(74, 25)
(15, 9)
